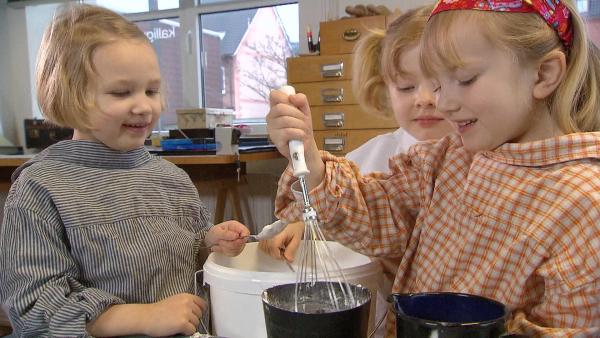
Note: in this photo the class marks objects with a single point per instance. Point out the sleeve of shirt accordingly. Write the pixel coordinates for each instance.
(39, 286)
(372, 214)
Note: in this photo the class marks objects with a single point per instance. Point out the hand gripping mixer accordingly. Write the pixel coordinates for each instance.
(316, 261)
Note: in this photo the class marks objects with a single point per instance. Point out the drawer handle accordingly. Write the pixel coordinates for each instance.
(351, 34)
(333, 69)
(333, 120)
(334, 144)
(332, 94)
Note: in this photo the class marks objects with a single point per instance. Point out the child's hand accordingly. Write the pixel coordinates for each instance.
(288, 119)
(178, 314)
(227, 238)
(287, 241)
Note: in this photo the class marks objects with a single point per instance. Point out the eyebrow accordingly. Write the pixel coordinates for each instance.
(152, 82)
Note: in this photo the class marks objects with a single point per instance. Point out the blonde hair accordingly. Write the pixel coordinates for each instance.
(65, 72)
(377, 59)
(575, 104)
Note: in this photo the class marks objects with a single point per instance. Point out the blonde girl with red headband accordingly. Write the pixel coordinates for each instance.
(509, 206)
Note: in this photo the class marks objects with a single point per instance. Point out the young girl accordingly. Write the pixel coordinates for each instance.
(509, 207)
(388, 81)
(100, 237)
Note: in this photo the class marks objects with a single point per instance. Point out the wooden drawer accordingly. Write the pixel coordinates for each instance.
(347, 117)
(327, 92)
(340, 36)
(343, 141)
(319, 68)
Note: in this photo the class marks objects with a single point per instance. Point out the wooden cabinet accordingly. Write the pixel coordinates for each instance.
(339, 123)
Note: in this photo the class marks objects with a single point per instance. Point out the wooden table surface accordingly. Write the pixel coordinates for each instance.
(17, 160)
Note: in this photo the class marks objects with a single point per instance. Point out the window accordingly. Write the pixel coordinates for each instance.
(232, 60)
(249, 49)
(590, 10)
(582, 6)
(136, 6)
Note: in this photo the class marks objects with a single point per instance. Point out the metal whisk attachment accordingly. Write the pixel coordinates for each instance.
(316, 261)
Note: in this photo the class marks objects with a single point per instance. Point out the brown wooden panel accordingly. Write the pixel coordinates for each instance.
(347, 117)
(340, 36)
(343, 141)
(319, 68)
(327, 92)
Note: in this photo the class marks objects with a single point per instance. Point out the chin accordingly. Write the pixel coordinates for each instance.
(473, 147)
(126, 146)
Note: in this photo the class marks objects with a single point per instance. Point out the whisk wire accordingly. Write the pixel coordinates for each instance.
(317, 262)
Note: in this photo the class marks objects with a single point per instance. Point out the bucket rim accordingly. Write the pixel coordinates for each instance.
(235, 279)
(362, 288)
(430, 323)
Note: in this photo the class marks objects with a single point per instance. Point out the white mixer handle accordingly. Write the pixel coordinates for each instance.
(296, 146)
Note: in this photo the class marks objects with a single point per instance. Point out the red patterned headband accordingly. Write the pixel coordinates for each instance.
(554, 12)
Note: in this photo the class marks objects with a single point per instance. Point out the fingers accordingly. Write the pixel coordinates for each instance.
(277, 96)
(235, 227)
(203, 305)
(300, 101)
(290, 251)
(229, 248)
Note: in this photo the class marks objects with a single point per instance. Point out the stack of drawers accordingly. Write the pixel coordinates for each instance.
(339, 124)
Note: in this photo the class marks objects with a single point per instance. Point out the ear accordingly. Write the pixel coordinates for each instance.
(550, 73)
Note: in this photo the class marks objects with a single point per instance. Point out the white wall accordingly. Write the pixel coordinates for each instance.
(3, 75)
(16, 90)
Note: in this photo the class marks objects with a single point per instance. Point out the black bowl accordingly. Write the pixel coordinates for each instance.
(448, 315)
(317, 319)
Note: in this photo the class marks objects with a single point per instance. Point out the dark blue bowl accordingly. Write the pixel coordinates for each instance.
(448, 315)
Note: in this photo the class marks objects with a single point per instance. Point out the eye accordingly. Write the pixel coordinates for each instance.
(468, 82)
(152, 92)
(119, 93)
(405, 89)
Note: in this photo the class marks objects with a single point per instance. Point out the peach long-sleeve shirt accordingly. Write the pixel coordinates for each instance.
(519, 224)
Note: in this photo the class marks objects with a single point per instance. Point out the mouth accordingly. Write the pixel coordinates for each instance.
(464, 125)
(136, 128)
(135, 125)
(428, 120)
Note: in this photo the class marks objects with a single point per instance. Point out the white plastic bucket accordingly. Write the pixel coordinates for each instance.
(236, 284)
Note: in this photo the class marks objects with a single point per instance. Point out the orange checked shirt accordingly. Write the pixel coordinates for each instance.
(519, 224)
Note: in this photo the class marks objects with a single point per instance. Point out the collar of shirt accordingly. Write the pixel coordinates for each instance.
(560, 149)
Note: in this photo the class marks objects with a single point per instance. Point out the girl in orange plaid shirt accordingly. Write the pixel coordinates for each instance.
(508, 207)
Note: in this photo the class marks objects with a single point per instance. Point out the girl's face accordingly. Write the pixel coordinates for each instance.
(489, 99)
(413, 100)
(128, 101)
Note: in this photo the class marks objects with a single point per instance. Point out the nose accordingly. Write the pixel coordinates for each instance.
(446, 103)
(142, 104)
(425, 97)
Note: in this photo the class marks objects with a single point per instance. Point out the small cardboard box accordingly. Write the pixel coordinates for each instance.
(195, 118)
(191, 118)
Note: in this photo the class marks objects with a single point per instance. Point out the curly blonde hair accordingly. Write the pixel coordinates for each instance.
(65, 71)
(377, 59)
(575, 104)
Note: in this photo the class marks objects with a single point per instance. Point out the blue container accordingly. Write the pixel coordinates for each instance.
(449, 315)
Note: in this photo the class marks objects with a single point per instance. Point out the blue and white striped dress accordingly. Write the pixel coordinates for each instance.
(86, 226)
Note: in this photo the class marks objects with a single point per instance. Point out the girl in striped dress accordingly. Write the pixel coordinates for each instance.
(99, 237)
